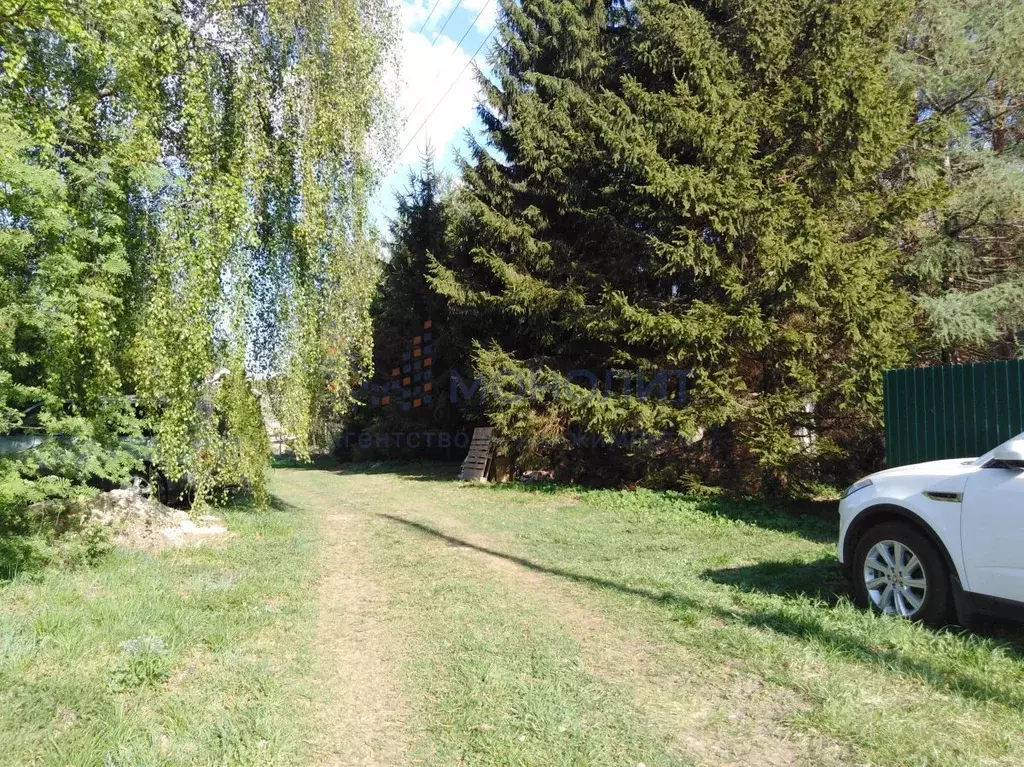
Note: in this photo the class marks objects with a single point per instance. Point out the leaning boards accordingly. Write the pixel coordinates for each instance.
(478, 461)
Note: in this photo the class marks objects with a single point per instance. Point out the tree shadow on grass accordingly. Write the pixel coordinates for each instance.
(277, 504)
(798, 618)
(543, 487)
(815, 521)
(819, 580)
(416, 471)
(317, 463)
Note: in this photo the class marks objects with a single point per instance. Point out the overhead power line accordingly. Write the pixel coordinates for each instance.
(445, 25)
(472, 26)
(429, 15)
(443, 97)
(458, 45)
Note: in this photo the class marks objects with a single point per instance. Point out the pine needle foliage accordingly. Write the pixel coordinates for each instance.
(966, 262)
(705, 186)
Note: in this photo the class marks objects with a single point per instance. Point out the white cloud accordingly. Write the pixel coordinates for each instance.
(426, 74)
(488, 16)
(415, 12)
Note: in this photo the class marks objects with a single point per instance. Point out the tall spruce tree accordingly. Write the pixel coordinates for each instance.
(404, 300)
(705, 186)
(404, 303)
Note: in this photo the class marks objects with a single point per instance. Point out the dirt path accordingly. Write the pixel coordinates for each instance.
(365, 720)
(741, 721)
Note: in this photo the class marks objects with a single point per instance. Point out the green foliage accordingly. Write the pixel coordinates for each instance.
(48, 534)
(143, 661)
(689, 186)
(966, 260)
(71, 159)
(404, 301)
(266, 245)
(183, 191)
(83, 671)
(242, 457)
(418, 232)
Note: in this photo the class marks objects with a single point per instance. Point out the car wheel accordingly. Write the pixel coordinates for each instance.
(898, 571)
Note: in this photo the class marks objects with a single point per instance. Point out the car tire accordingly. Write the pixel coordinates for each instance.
(897, 570)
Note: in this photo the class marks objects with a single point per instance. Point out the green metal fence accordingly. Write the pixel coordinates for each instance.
(951, 412)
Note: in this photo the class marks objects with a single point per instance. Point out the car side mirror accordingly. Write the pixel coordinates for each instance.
(1010, 454)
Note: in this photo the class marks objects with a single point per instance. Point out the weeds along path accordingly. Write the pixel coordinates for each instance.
(362, 715)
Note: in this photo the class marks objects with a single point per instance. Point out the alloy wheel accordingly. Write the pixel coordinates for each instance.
(895, 579)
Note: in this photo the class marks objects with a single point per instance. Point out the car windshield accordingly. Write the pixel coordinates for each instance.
(982, 460)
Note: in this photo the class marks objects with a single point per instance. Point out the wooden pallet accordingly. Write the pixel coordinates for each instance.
(478, 462)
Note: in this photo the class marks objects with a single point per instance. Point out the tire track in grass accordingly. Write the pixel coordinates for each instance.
(497, 679)
(749, 684)
(363, 716)
(700, 711)
(728, 680)
(715, 714)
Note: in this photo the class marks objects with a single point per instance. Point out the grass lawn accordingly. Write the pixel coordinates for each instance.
(544, 626)
(191, 656)
(745, 600)
(390, 615)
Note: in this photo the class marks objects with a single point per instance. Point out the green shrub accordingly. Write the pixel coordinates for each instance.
(49, 534)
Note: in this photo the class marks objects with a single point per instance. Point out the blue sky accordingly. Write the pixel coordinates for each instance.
(432, 61)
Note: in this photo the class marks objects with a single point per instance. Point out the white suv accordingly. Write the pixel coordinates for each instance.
(941, 539)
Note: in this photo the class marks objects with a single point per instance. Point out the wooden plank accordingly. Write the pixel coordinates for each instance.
(478, 458)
